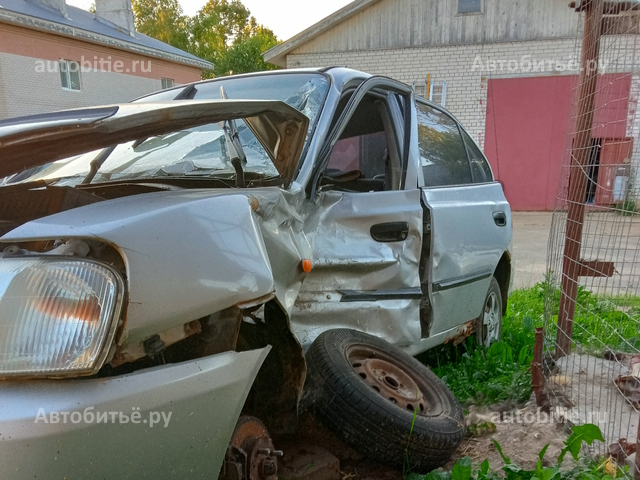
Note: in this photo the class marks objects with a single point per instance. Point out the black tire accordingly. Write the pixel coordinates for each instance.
(363, 418)
(485, 334)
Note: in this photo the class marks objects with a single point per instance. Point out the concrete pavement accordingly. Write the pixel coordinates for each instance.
(530, 237)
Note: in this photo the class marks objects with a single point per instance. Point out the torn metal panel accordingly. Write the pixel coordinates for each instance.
(346, 257)
(396, 321)
(284, 239)
(28, 142)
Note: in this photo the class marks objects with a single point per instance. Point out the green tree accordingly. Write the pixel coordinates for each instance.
(245, 53)
(164, 21)
(225, 33)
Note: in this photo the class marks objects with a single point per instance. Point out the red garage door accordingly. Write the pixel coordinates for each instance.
(527, 127)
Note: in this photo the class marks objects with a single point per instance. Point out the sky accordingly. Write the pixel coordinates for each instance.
(285, 17)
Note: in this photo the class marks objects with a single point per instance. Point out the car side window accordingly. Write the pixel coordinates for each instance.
(442, 153)
(365, 154)
(480, 169)
(366, 157)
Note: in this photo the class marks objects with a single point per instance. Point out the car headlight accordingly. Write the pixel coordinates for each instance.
(58, 315)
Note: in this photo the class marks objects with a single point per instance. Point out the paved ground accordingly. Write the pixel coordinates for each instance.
(530, 236)
(607, 236)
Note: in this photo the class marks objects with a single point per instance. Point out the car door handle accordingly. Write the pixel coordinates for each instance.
(500, 218)
(390, 232)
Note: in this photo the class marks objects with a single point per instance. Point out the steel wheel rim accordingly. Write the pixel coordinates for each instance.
(394, 381)
(491, 318)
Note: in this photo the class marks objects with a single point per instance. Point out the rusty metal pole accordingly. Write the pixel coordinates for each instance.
(578, 174)
(537, 377)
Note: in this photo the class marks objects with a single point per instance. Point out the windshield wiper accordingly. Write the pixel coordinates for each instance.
(96, 163)
(234, 147)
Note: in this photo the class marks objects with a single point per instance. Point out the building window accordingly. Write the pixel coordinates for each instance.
(469, 6)
(167, 83)
(69, 75)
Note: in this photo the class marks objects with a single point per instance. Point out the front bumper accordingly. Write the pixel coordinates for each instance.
(187, 413)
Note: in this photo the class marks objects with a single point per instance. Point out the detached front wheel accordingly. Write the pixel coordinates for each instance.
(381, 401)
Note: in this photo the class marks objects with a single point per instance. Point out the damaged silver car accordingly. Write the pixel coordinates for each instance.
(183, 274)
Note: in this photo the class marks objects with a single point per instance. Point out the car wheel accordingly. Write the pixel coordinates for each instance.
(381, 401)
(490, 321)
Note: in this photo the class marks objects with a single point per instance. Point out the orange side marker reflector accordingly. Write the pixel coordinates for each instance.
(306, 265)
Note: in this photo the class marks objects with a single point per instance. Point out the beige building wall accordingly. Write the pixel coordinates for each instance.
(26, 91)
(30, 81)
(467, 68)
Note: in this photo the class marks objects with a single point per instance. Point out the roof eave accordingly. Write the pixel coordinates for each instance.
(34, 23)
(278, 54)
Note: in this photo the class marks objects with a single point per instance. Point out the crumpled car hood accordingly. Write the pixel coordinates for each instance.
(28, 142)
(190, 253)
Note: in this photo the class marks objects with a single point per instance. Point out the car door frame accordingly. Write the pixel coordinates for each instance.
(390, 313)
(409, 149)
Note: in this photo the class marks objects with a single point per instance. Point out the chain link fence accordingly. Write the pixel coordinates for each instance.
(592, 299)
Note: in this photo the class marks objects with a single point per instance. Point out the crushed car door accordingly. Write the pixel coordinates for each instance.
(366, 222)
(469, 219)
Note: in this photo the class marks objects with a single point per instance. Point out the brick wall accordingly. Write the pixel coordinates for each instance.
(459, 66)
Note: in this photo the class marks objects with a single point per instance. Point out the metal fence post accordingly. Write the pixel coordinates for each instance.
(578, 175)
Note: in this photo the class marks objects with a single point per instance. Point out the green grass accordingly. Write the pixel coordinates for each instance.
(483, 376)
(626, 209)
(501, 372)
(603, 322)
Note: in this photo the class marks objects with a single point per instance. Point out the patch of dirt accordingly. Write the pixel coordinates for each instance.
(521, 432)
(584, 388)
(353, 466)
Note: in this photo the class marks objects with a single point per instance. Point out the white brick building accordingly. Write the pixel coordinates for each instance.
(484, 53)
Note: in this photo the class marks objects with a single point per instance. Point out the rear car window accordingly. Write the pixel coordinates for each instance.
(480, 169)
(442, 153)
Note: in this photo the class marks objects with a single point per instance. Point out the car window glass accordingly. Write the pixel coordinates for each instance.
(361, 159)
(365, 154)
(305, 92)
(442, 153)
(193, 152)
(479, 166)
